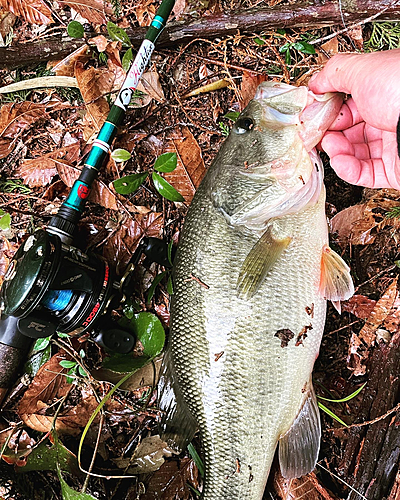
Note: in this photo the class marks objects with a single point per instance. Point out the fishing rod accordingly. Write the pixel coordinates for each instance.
(50, 284)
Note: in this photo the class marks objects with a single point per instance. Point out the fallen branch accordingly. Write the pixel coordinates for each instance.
(210, 27)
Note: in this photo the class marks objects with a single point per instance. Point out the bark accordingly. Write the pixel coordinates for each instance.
(371, 456)
(310, 15)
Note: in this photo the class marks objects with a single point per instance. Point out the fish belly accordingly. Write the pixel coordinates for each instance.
(239, 380)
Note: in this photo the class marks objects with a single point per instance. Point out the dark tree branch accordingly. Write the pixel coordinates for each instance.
(246, 22)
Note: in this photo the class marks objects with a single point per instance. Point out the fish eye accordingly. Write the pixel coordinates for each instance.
(243, 125)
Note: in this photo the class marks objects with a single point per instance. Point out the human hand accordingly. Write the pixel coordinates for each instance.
(361, 142)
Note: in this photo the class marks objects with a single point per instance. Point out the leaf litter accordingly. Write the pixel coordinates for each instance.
(115, 223)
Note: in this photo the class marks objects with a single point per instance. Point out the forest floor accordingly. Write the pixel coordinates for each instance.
(45, 135)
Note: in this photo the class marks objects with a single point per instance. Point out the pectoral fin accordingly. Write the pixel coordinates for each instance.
(299, 447)
(336, 283)
(177, 426)
(259, 261)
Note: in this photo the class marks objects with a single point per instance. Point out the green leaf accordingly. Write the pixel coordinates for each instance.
(147, 329)
(5, 222)
(46, 457)
(37, 360)
(281, 31)
(118, 34)
(170, 286)
(196, 458)
(130, 183)
(259, 41)
(127, 60)
(41, 344)
(347, 398)
(232, 115)
(70, 494)
(166, 162)
(70, 372)
(165, 188)
(331, 414)
(153, 286)
(120, 155)
(131, 308)
(285, 47)
(170, 246)
(82, 371)
(75, 29)
(288, 58)
(62, 335)
(304, 47)
(65, 363)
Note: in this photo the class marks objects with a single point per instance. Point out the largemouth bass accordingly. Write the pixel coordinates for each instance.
(252, 275)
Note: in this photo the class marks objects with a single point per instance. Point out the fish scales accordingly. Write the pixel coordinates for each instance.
(242, 382)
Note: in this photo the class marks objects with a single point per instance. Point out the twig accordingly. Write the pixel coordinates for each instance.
(87, 478)
(370, 422)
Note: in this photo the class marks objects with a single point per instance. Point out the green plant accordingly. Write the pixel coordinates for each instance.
(385, 35)
(343, 400)
(75, 369)
(12, 185)
(166, 162)
(393, 213)
(289, 47)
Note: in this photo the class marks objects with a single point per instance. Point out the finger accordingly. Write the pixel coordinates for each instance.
(335, 77)
(334, 143)
(355, 171)
(356, 134)
(391, 159)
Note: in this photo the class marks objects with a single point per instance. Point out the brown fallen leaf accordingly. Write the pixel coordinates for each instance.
(150, 84)
(342, 223)
(306, 487)
(33, 11)
(15, 444)
(190, 168)
(171, 481)
(66, 67)
(145, 12)
(7, 21)
(374, 218)
(359, 305)
(17, 117)
(7, 251)
(120, 246)
(95, 11)
(358, 348)
(379, 313)
(327, 50)
(250, 82)
(39, 171)
(94, 84)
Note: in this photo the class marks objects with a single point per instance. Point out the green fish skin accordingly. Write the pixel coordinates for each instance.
(252, 274)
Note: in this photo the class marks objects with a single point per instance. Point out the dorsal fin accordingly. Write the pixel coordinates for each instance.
(299, 447)
(336, 283)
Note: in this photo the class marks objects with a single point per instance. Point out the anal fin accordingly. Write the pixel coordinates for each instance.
(336, 283)
(299, 447)
(258, 262)
(177, 426)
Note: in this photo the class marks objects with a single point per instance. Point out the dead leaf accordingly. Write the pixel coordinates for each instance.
(148, 456)
(17, 117)
(374, 218)
(356, 34)
(343, 222)
(39, 171)
(66, 67)
(33, 11)
(357, 356)
(379, 313)
(150, 84)
(359, 305)
(171, 481)
(7, 251)
(190, 168)
(306, 487)
(18, 445)
(7, 21)
(94, 84)
(327, 50)
(94, 11)
(250, 82)
(145, 12)
(124, 241)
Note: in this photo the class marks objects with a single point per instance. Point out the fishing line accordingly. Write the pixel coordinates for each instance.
(342, 481)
